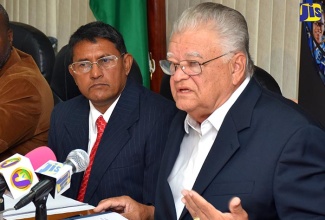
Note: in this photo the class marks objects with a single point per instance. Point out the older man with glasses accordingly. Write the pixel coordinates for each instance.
(122, 125)
(236, 150)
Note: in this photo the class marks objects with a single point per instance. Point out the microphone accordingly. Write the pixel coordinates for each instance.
(55, 177)
(40, 156)
(18, 172)
(17, 176)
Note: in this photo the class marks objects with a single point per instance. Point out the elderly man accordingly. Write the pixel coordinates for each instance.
(233, 140)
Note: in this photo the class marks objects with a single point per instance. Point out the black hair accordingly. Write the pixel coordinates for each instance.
(97, 29)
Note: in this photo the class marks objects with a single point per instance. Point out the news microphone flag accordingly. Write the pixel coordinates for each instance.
(55, 177)
(59, 172)
(19, 175)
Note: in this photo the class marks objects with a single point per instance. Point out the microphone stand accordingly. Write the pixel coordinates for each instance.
(40, 197)
(3, 187)
(40, 204)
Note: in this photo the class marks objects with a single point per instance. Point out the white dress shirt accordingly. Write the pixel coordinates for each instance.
(93, 115)
(195, 147)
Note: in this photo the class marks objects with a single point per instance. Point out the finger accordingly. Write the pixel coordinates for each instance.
(191, 206)
(102, 205)
(206, 209)
(118, 203)
(236, 208)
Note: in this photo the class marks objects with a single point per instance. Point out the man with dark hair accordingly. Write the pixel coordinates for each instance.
(125, 154)
(235, 150)
(26, 100)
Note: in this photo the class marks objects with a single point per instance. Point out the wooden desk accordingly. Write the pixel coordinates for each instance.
(64, 215)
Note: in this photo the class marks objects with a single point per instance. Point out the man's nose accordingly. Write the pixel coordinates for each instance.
(179, 74)
(95, 70)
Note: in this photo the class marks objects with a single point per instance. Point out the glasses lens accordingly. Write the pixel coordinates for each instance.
(167, 67)
(191, 67)
(81, 67)
(107, 62)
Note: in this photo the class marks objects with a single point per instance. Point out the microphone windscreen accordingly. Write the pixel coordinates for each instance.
(79, 159)
(40, 156)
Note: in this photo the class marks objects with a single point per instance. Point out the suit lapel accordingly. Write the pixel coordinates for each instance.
(115, 136)
(173, 144)
(174, 140)
(77, 128)
(76, 137)
(227, 141)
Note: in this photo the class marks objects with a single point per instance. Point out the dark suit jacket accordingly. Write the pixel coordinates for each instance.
(128, 157)
(267, 152)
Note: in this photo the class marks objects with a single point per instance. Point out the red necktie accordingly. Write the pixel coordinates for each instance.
(100, 123)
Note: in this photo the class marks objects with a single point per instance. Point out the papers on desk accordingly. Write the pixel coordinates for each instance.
(60, 204)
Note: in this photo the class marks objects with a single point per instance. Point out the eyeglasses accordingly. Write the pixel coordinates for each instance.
(189, 67)
(83, 67)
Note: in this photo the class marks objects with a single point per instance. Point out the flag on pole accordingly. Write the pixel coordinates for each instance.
(129, 17)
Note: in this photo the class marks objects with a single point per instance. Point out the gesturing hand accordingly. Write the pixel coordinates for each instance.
(201, 209)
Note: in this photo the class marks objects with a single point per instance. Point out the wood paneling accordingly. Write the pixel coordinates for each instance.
(157, 39)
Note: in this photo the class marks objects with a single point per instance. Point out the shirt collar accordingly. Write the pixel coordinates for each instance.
(94, 113)
(217, 117)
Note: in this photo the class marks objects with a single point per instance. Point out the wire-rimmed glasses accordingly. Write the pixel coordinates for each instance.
(189, 67)
(82, 67)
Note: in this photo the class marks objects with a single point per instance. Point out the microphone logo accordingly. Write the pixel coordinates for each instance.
(50, 168)
(21, 178)
(10, 162)
(19, 175)
(63, 182)
(59, 172)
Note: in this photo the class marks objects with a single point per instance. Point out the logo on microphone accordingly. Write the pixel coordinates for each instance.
(63, 182)
(310, 12)
(50, 168)
(21, 178)
(10, 162)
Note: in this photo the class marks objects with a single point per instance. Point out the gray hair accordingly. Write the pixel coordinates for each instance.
(230, 27)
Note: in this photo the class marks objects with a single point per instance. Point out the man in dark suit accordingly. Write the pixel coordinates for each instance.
(128, 156)
(233, 138)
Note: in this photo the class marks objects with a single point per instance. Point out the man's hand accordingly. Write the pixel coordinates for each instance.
(127, 207)
(201, 209)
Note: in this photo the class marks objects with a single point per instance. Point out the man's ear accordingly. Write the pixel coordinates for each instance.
(70, 70)
(72, 74)
(127, 63)
(10, 36)
(238, 67)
